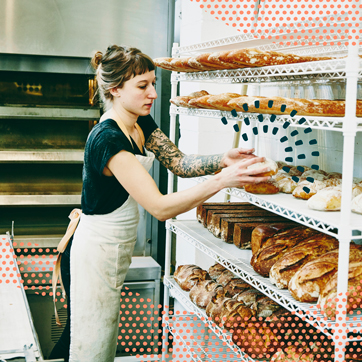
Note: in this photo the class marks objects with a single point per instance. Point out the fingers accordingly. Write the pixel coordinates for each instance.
(250, 161)
(246, 150)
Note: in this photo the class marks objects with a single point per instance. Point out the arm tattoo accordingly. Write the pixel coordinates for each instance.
(177, 162)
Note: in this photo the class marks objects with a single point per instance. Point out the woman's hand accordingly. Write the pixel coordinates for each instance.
(235, 155)
(238, 174)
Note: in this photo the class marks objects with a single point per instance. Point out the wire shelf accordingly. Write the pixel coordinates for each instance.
(267, 38)
(324, 69)
(183, 298)
(196, 342)
(237, 261)
(322, 123)
(295, 209)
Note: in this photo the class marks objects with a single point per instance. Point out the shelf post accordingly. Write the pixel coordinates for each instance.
(170, 189)
(345, 231)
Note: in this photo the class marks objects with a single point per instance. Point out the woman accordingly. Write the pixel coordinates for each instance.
(115, 180)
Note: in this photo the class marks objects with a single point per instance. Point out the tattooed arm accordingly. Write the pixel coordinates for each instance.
(190, 165)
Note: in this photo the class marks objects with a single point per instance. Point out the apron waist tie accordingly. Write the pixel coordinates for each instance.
(74, 217)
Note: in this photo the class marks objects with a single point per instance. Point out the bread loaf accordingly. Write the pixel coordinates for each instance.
(182, 65)
(249, 297)
(304, 107)
(243, 232)
(201, 102)
(327, 298)
(286, 185)
(267, 187)
(327, 199)
(214, 308)
(225, 277)
(215, 218)
(305, 189)
(194, 63)
(188, 275)
(277, 246)
(220, 101)
(235, 286)
(217, 59)
(203, 59)
(183, 101)
(257, 339)
(228, 224)
(307, 282)
(268, 308)
(265, 231)
(203, 291)
(283, 270)
(204, 209)
(234, 312)
(215, 270)
(272, 165)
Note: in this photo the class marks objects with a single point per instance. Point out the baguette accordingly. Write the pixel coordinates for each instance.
(201, 102)
(221, 101)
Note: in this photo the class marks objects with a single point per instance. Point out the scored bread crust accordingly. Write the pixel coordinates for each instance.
(202, 102)
(188, 275)
(307, 282)
(220, 101)
(284, 269)
(277, 246)
(203, 291)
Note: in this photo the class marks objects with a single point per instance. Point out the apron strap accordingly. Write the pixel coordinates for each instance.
(74, 220)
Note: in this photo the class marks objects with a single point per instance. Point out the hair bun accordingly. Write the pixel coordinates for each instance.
(96, 60)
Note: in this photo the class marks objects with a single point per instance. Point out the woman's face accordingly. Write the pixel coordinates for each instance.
(137, 94)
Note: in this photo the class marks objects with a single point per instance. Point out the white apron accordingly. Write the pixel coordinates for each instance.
(101, 254)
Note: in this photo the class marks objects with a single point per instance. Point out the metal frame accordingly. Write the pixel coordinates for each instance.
(322, 123)
(345, 222)
(225, 254)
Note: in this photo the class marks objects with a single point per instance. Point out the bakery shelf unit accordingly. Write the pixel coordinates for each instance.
(343, 225)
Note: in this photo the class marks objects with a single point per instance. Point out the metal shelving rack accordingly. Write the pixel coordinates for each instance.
(344, 221)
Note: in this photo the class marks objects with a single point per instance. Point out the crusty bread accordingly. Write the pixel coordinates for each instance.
(214, 308)
(277, 246)
(264, 231)
(225, 277)
(267, 187)
(217, 59)
(164, 63)
(235, 286)
(304, 107)
(215, 270)
(328, 295)
(201, 102)
(249, 297)
(234, 312)
(307, 282)
(283, 270)
(188, 275)
(202, 292)
(181, 65)
(220, 101)
(203, 59)
(183, 101)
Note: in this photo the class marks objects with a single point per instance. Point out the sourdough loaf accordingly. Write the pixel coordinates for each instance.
(215, 270)
(189, 275)
(234, 312)
(203, 291)
(264, 231)
(272, 165)
(307, 282)
(283, 270)
(235, 286)
(277, 246)
(327, 298)
(225, 277)
(214, 308)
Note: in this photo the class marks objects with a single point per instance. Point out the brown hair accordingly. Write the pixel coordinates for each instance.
(116, 66)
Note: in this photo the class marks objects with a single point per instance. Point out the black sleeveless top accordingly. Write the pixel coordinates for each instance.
(103, 194)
